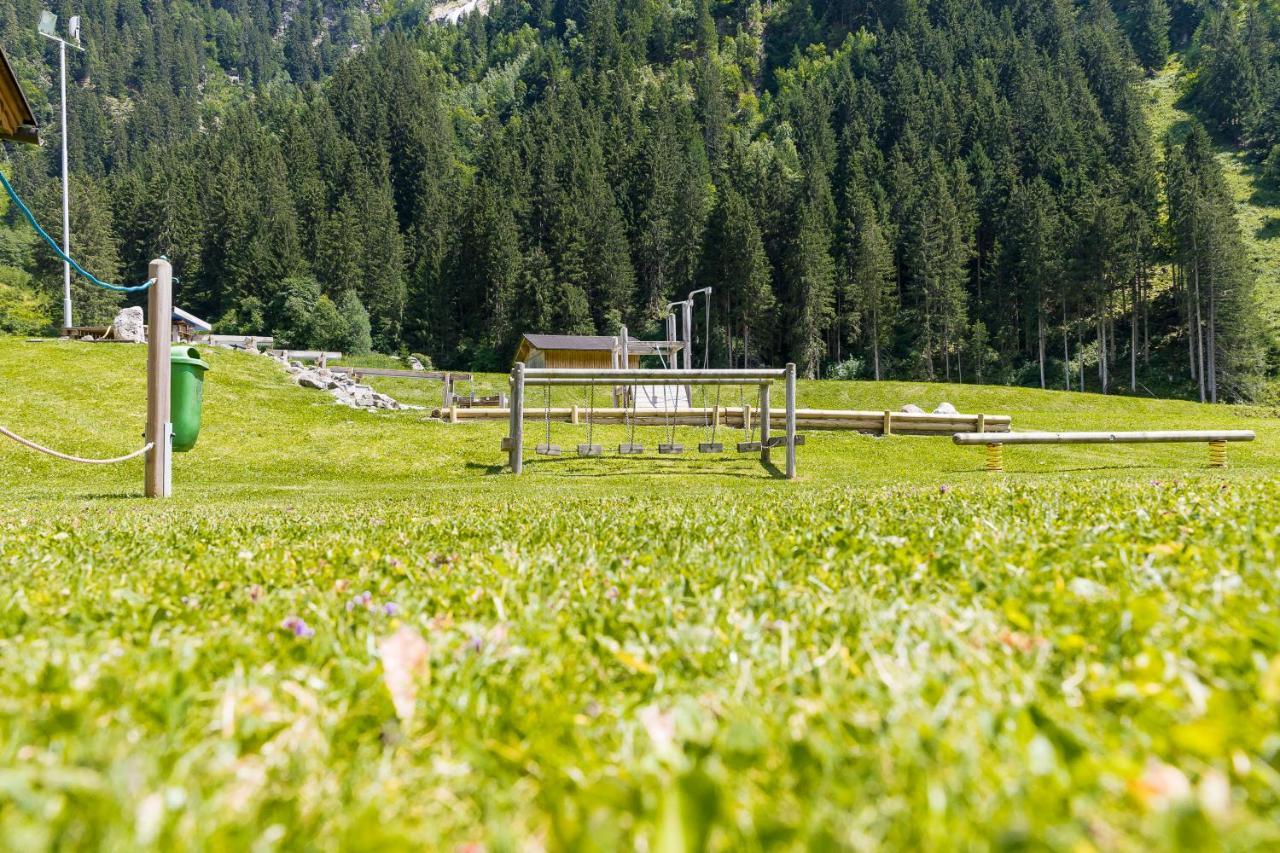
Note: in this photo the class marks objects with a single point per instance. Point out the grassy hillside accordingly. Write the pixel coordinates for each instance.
(1257, 206)
(899, 650)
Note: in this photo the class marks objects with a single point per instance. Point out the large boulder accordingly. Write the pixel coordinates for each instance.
(945, 409)
(309, 379)
(129, 326)
(912, 409)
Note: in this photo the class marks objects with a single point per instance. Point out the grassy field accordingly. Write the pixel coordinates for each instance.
(353, 631)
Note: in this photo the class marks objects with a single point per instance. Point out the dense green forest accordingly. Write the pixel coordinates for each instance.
(956, 189)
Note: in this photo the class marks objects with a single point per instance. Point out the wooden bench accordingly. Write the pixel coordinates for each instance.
(994, 442)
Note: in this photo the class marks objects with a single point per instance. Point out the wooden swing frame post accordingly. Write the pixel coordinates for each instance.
(763, 415)
(159, 431)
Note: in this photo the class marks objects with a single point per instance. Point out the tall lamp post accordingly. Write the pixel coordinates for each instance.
(48, 29)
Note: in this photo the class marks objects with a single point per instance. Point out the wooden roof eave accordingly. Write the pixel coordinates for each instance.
(17, 110)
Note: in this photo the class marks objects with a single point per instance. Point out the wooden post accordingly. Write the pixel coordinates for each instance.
(764, 422)
(887, 429)
(159, 480)
(982, 422)
(791, 421)
(453, 414)
(517, 417)
(573, 414)
(448, 393)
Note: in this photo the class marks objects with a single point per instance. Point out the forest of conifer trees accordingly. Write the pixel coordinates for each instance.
(962, 190)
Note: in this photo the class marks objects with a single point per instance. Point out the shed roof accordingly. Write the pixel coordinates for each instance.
(573, 342)
(597, 343)
(17, 121)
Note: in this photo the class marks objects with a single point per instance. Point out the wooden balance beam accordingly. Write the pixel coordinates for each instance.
(994, 442)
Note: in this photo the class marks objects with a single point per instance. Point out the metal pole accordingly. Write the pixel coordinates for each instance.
(764, 422)
(791, 421)
(625, 338)
(686, 310)
(159, 482)
(517, 418)
(587, 374)
(66, 193)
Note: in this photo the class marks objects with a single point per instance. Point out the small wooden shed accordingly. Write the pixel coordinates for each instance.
(17, 121)
(600, 351)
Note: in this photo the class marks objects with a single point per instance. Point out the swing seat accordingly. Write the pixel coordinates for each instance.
(671, 449)
(748, 446)
(710, 447)
(547, 450)
(630, 449)
(590, 450)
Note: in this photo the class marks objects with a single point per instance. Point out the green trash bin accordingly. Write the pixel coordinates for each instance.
(186, 388)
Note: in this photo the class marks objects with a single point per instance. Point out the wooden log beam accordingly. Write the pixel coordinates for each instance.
(1150, 437)
(437, 375)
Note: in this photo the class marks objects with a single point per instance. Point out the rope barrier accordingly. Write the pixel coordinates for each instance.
(31, 444)
(30, 217)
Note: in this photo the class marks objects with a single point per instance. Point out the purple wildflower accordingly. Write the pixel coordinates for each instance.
(364, 599)
(297, 627)
(391, 608)
(943, 489)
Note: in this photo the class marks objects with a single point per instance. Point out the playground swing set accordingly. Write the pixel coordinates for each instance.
(628, 381)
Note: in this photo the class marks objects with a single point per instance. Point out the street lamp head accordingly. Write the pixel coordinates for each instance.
(73, 27)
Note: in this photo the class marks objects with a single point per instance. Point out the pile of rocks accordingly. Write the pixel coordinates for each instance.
(344, 389)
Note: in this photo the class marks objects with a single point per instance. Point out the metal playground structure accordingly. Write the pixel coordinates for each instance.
(523, 378)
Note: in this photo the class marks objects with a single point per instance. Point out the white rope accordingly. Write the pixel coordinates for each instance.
(64, 456)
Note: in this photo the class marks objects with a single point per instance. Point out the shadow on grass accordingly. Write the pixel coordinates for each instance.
(533, 464)
(1043, 471)
(1270, 229)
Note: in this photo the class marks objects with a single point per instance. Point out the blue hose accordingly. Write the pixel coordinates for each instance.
(26, 212)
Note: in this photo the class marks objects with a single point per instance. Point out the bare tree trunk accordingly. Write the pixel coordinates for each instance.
(875, 337)
(1102, 345)
(1146, 317)
(1195, 276)
(1213, 340)
(1066, 349)
(1041, 337)
(1191, 322)
(1133, 339)
(1080, 350)
(946, 352)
